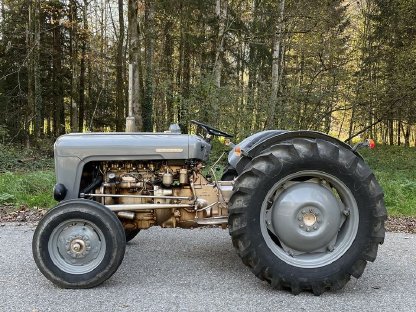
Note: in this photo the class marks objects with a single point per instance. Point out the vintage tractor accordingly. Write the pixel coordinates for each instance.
(303, 209)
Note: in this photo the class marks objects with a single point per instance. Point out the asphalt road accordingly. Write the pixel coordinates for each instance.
(198, 270)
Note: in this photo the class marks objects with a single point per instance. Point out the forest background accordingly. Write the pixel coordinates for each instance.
(342, 67)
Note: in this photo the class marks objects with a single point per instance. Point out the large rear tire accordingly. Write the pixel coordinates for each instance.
(306, 215)
(79, 244)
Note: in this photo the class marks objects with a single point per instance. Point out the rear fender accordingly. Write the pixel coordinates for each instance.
(250, 152)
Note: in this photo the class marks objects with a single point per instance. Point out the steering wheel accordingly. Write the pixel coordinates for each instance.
(212, 131)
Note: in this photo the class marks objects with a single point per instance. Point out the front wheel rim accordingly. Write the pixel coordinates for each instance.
(316, 229)
(77, 246)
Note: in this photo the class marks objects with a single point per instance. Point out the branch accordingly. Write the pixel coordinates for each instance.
(364, 130)
(389, 109)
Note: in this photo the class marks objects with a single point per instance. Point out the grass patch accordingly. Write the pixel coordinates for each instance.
(31, 184)
(395, 169)
(32, 189)
(15, 158)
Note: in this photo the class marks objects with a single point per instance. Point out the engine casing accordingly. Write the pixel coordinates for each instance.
(74, 151)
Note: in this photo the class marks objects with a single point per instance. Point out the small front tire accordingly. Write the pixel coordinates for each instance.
(79, 244)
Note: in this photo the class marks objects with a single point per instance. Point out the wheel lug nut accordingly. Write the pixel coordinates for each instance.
(308, 229)
(300, 218)
(303, 211)
(77, 247)
(315, 227)
(301, 225)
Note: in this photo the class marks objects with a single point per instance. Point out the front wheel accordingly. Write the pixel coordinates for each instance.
(79, 244)
(306, 215)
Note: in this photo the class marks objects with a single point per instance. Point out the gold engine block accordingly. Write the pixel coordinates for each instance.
(167, 194)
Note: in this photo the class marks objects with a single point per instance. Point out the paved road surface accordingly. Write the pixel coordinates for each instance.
(198, 270)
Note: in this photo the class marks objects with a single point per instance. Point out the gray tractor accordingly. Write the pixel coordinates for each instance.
(304, 211)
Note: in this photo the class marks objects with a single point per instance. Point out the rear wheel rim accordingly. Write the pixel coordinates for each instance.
(316, 229)
(77, 246)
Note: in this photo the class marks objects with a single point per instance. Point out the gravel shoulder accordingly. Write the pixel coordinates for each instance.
(197, 270)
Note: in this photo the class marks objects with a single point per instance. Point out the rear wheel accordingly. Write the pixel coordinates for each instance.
(306, 215)
(79, 244)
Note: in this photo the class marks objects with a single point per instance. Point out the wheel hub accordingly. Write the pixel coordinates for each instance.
(306, 217)
(309, 219)
(76, 246)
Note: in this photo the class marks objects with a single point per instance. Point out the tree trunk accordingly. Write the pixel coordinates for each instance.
(59, 112)
(351, 127)
(183, 76)
(119, 71)
(391, 131)
(186, 83)
(399, 132)
(415, 136)
(38, 88)
(30, 78)
(90, 108)
(149, 41)
(252, 73)
(276, 69)
(221, 13)
(407, 135)
(135, 110)
(73, 57)
(180, 66)
(82, 69)
(168, 64)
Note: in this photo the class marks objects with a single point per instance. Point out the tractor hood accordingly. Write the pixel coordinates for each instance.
(121, 146)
